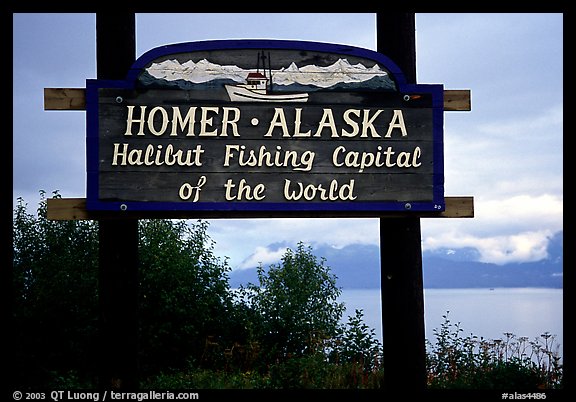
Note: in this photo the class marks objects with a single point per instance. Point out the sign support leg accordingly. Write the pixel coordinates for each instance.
(403, 329)
(118, 297)
(118, 284)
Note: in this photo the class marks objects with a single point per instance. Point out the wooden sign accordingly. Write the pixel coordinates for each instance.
(264, 125)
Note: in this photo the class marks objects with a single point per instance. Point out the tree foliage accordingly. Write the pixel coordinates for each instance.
(295, 304)
(357, 343)
(185, 299)
(188, 316)
(55, 296)
(184, 296)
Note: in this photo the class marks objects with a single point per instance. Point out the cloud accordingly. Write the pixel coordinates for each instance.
(522, 247)
(513, 229)
(262, 256)
(521, 213)
(503, 230)
(237, 238)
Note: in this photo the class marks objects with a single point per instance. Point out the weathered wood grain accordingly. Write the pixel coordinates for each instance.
(457, 100)
(64, 99)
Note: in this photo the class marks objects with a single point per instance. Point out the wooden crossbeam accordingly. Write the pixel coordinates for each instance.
(75, 209)
(75, 99)
(64, 99)
(457, 100)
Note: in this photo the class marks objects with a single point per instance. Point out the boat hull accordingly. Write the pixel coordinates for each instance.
(241, 94)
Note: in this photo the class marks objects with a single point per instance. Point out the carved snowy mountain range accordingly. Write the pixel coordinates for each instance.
(323, 77)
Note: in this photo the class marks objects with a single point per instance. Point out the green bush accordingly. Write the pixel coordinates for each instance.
(356, 343)
(55, 299)
(470, 362)
(185, 302)
(294, 306)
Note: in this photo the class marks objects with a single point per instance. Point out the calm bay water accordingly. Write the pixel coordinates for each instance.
(487, 313)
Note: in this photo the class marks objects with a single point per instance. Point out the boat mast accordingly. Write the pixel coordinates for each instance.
(270, 71)
(258, 63)
(262, 56)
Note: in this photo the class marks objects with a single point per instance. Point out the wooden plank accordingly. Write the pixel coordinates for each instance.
(68, 209)
(456, 207)
(75, 99)
(457, 100)
(64, 99)
(75, 209)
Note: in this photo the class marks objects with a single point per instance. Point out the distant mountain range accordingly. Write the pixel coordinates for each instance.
(358, 267)
(205, 71)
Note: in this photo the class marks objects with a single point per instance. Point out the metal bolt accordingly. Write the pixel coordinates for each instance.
(407, 206)
(123, 207)
(406, 98)
(119, 99)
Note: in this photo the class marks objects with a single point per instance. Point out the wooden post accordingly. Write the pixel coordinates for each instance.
(118, 285)
(403, 330)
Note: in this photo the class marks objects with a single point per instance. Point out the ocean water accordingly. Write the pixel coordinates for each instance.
(487, 313)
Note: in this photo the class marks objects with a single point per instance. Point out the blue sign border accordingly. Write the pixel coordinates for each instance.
(92, 133)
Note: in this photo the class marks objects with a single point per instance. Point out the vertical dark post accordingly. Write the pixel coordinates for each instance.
(400, 245)
(118, 285)
(396, 38)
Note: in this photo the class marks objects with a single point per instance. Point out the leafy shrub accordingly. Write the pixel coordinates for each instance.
(454, 361)
(294, 306)
(185, 301)
(55, 298)
(356, 343)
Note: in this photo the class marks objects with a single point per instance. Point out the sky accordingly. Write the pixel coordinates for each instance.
(507, 152)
